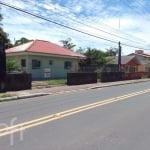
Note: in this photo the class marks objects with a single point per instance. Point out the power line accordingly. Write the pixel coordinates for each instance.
(119, 31)
(25, 14)
(96, 28)
(126, 34)
(54, 22)
(65, 26)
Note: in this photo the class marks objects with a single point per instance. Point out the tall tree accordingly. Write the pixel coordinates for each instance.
(95, 57)
(68, 44)
(22, 40)
(112, 51)
(80, 50)
(0, 16)
(4, 35)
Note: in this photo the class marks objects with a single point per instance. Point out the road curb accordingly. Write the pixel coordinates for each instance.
(59, 92)
(23, 96)
(116, 84)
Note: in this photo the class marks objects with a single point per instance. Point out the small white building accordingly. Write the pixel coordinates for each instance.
(44, 59)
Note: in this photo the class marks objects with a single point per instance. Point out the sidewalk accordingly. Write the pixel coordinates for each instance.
(41, 91)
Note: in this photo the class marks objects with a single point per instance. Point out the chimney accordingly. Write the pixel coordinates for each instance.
(139, 52)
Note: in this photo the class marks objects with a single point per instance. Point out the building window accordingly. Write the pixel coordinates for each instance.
(126, 68)
(147, 69)
(23, 63)
(36, 64)
(67, 65)
(50, 62)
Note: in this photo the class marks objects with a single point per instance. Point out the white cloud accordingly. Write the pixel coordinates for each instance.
(93, 13)
(78, 9)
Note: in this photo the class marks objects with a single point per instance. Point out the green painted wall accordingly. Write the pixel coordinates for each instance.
(57, 66)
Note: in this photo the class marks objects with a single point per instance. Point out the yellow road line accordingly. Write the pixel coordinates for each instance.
(56, 116)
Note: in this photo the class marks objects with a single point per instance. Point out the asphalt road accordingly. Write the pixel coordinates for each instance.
(117, 119)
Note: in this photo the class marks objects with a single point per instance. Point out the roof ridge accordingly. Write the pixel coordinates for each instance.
(53, 44)
(31, 44)
(146, 55)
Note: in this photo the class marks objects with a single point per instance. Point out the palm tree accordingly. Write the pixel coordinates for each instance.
(68, 44)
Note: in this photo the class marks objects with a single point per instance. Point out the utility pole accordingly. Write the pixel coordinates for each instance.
(2, 65)
(119, 57)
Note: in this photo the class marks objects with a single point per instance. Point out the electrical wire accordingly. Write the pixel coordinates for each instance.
(65, 26)
(92, 27)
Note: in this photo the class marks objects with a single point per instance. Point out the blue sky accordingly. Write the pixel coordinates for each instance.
(128, 19)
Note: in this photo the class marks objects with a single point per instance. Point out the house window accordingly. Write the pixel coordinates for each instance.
(126, 69)
(50, 62)
(36, 64)
(147, 69)
(133, 68)
(23, 63)
(67, 65)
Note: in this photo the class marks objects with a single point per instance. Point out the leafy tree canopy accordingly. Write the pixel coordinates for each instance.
(68, 44)
(0, 16)
(4, 35)
(112, 51)
(22, 40)
(80, 50)
(95, 56)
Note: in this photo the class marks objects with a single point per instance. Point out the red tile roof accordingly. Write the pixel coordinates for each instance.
(45, 47)
(140, 53)
(144, 55)
(124, 59)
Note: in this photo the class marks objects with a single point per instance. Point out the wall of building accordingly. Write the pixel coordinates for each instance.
(18, 59)
(51, 67)
(144, 62)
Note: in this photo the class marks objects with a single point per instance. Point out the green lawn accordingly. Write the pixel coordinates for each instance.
(57, 82)
(49, 82)
(5, 95)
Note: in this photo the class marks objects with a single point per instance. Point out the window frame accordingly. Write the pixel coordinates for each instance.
(67, 65)
(23, 63)
(36, 64)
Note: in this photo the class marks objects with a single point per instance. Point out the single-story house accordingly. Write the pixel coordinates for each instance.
(128, 64)
(44, 59)
(143, 59)
(134, 62)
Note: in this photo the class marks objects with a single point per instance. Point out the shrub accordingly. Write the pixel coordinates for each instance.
(11, 65)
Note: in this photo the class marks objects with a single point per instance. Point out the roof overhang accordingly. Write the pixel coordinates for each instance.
(25, 53)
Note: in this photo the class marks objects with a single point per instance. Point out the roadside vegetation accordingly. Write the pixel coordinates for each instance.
(57, 82)
(5, 95)
(52, 82)
(11, 65)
